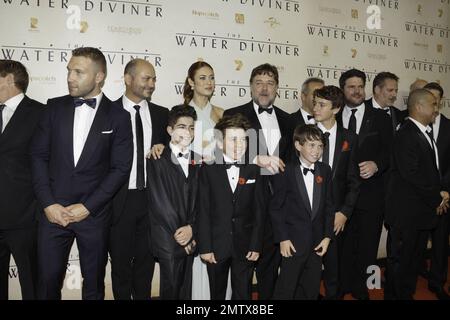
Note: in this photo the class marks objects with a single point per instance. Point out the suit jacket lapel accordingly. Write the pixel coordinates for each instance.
(317, 191)
(17, 120)
(68, 111)
(242, 174)
(365, 124)
(394, 119)
(337, 148)
(302, 188)
(154, 118)
(95, 131)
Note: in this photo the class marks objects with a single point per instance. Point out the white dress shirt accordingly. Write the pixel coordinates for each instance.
(204, 142)
(359, 114)
(232, 173)
(11, 106)
(184, 161)
(305, 117)
(436, 126)
(424, 130)
(144, 111)
(377, 106)
(82, 122)
(331, 140)
(309, 181)
(270, 128)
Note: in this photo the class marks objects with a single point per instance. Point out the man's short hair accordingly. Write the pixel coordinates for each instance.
(331, 93)
(18, 70)
(234, 121)
(267, 69)
(350, 74)
(381, 77)
(180, 111)
(308, 81)
(435, 86)
(92, 53)
(416, 97)
(308, 132)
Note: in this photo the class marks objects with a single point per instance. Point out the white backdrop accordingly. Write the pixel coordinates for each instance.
(302, 38)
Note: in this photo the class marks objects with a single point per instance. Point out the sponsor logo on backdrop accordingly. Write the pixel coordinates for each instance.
(34, 24)
(124, 30)
(122, 7)
(325, 52)
(239, 64)
(354, 13)
(206, 14)
(426, 66)
(237, 88)
(25, 53)
(236, 42)
(385, 4)
(43, 79)
(421, 45)
(440, 13)
(427, 30)
(334, 73)
(276, 5)
(273, 22)
(239, 18)
(376, 56)
(439, 48)
(352, 34)
(354, 52)
(329, 10)
(419, 9)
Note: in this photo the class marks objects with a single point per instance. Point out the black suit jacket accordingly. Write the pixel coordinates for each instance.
(345, 172)
(374, 144)
(283, 122)
(443, 144)
(231, 224)
(104, 164)
(17, 200)
(173, 201)
(397, 116)
(291, 213)
(159, 117)
(414, 184)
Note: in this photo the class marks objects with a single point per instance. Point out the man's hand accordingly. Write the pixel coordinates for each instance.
(443, 207)
(339, 222)
(208, 257)
(322, 248)
(56, 213)
(252, 256)
(271, 163)
(78, 212)
(367, 169)
(285, 248)
(155, 151)
(183, 235)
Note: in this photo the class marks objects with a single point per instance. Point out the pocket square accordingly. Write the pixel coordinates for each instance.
(107, 132)
(250, 181)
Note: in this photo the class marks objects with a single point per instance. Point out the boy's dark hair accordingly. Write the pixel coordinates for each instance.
(381, 77)
(267, 69)
(234, 121)
(180, 111)
(331, 93)
(18, 70)
(350, 74)
(435, 86)
(308, 132)
(92, 53)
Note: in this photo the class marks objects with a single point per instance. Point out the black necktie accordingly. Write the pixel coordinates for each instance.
(268, 110)
(140, 175)
(228, 165)
(305, 171)
(352, 122)
(326, 149)
(387, 111)
(2, 106)
(309, 117)
(180, 155)
(90, 102)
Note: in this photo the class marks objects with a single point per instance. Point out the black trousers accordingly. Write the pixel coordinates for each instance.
(132, 262)
(359, 251)
(331, 263)
(175, 278)
(241, 278)
(405, 255)
(299, 277)
(439, 254)
(21, 244)
(54, 244)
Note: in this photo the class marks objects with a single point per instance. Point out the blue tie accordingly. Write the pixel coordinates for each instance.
(90, 102)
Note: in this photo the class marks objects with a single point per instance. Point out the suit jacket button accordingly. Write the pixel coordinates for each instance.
(233, 219)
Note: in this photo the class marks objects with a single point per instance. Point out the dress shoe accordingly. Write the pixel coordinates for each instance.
(440, 293)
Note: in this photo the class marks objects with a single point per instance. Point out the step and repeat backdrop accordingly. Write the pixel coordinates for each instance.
(303, 38)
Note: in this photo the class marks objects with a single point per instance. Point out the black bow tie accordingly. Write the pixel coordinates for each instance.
(90, 102)
(305, 171)
(228, 165)
(180, 155)
(268, 110)
(309, 117)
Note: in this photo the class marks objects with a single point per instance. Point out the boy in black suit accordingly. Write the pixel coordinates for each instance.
(302, 217)
(173, 181)
(339, 154)
(232, 212)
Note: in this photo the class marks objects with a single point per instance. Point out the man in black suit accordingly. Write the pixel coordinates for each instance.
(81, 155)
(339, 153)
(416, 196)
(173, 185)
(385, 89)
(269, 146)
(19, 116)
(437, 275)
(374, 131)
(302, 216)
(132, 262)
(304, 115)
(232, 212)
